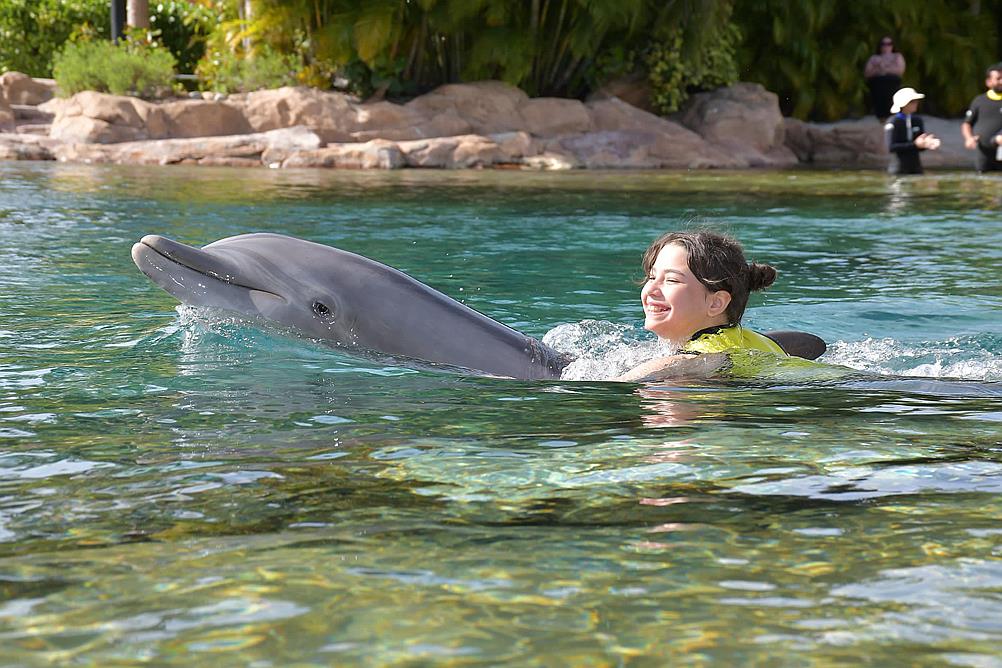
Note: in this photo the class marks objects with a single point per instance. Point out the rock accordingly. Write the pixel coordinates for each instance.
(634, 90)
(26, 147)
(330, 115)
(201, 150)
(854, 143)
(92, 117)
(796, 136)
(6, 116)
(638, 149)
(375, 154)
(672, 141)
(203, 118)
(515, 145)
(83, 129)
(490, 107)
(551, 116)
(451, 152)
(744, 120)
(20, 88)
(385, 120)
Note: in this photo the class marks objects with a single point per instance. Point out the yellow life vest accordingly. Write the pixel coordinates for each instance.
(725, 339)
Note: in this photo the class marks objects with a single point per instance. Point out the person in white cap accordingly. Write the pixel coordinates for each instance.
(906, 135)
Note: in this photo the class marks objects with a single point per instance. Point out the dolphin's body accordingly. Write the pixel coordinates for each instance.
(352, 301)
(343, 298)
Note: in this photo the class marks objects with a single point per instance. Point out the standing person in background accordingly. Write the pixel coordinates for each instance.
(883, 74)
(982, 126)
(906, 135)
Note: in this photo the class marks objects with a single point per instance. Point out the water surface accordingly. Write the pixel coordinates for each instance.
(178, 486)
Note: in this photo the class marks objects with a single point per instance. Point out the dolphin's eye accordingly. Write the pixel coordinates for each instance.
(321, 309)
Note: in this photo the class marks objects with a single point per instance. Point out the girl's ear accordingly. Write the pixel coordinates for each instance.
(719, 301)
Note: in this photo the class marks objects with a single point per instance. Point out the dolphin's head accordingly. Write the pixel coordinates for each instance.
(291, 281)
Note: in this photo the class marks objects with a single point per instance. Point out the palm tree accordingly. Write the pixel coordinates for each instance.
(138, 14)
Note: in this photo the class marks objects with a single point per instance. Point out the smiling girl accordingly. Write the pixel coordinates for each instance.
(695, 294)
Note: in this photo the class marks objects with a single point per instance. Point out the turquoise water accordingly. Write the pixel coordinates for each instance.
(180, 486)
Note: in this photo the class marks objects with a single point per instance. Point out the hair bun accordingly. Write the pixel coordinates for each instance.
(760, 276)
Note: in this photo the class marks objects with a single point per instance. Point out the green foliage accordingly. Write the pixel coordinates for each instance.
(812, 52)
(31, 31)
(132, 67)
(226, 71)
(183, 28)
(546, 47)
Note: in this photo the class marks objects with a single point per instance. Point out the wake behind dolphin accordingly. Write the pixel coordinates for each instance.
(352, 301)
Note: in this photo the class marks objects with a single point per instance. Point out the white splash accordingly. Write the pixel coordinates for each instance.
(927, 359)
(602, 350)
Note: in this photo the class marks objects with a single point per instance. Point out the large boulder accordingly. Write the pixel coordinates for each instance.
(632, 89)
(451, 152)
(671, 144)
(375, 154)
(385, 120)
(489, 107)
(204, 118)
(855, 143)
(91, 117)
(744, 120)
(257, 149)
(20, 88)
(331, 116)
(551, 116)
(639, 149)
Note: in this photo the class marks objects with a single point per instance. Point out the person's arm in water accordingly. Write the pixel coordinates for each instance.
(676, 366)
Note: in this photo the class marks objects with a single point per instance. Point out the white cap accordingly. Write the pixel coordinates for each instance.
(903, 97)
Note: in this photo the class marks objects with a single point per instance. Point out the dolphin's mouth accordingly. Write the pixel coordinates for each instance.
(210, 265)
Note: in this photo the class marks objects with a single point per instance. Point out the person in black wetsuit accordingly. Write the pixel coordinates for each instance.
(982, 126)
(906, 135)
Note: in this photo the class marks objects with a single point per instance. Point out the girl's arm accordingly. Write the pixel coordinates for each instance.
(676, 366)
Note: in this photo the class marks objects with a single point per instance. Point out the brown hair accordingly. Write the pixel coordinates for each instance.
(718, 262)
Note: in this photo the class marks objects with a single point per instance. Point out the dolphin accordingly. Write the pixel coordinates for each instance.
(355, 302)
(343, 298)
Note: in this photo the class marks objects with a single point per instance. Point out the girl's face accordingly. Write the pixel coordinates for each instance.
(676, 304)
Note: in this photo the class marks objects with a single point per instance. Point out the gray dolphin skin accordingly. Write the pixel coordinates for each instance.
(352, 301)
(343, 298)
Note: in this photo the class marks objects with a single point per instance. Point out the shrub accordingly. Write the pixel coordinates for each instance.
(673, 77)
(131, 68)
(33, 31)
(183, 28)
(227, 71)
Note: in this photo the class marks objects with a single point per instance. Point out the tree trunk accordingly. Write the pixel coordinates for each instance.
(138, 13)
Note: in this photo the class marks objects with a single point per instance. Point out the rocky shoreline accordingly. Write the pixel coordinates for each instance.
(485, 124)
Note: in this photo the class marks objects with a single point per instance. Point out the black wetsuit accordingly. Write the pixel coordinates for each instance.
(985, 117)
(901, 131)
